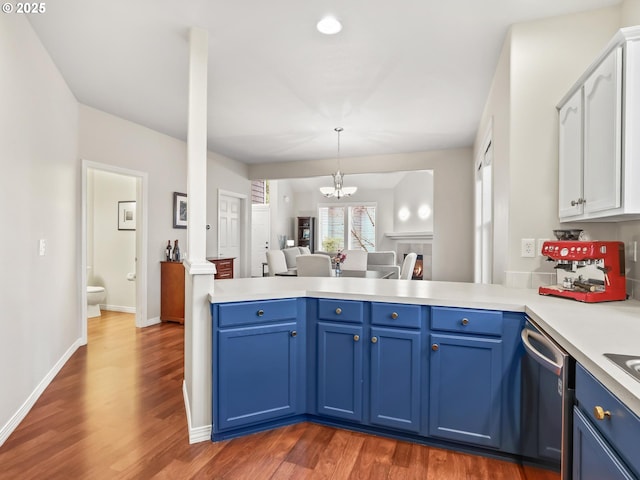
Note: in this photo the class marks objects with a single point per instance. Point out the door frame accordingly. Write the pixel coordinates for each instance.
(244, 223)
(142, 194)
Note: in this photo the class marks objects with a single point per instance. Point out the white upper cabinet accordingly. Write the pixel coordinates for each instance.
(570, 197)
(602, 135)
(598, 161)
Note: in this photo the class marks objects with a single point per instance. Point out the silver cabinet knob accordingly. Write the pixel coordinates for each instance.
(435, 347)
(374, 339)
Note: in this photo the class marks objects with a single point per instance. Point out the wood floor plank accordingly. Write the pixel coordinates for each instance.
(116, 411)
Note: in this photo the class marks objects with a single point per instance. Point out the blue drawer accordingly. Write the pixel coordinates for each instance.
(465, 320)
(621, 427)
(341, 310)
(395, 315)
(246, 313)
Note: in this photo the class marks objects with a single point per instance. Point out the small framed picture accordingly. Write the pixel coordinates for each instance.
(179, 210)
(127, 215)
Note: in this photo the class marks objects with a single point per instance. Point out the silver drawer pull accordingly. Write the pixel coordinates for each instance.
(338, 311)
(394, 315)
(260, 313)
(465, 321)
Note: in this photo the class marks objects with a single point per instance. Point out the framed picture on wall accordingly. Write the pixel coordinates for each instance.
(127, 215)
(179, 210)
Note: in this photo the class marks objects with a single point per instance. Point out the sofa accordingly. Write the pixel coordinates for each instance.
(291, 253)
(383, 261)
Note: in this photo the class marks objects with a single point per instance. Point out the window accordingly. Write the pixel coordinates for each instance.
(347, 227)
(259, 192)
(484, 218)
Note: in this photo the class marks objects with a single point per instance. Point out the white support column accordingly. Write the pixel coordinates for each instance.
(198, 272)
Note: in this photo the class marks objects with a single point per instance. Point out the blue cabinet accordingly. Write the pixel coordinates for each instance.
(606, 433)
(340, 370)
(369, 374)
(593, 458)
(259, 362)
(395, 378)
(442, 372)
(474, 377)
(465, 401)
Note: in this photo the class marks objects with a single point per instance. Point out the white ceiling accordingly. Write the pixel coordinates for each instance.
(402, 76)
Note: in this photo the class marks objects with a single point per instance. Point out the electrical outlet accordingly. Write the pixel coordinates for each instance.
(528, 247)
(540, 242)
(42, 247)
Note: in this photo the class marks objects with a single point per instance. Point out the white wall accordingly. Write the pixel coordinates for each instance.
(282, 210)
(39, 189)
(496, 119)
(110, 140)
(545, 58)
(452, 198)
(231, 176)
(111, 252)
(413, 192)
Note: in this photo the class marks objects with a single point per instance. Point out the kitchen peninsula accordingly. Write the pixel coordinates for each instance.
(321, 313)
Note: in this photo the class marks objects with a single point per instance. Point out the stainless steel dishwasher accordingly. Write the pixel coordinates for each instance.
(548, 393)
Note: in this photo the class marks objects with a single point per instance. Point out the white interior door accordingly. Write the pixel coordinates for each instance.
(260, 234)
(229, 216)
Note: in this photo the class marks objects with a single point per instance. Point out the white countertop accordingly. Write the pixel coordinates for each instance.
(585, 331)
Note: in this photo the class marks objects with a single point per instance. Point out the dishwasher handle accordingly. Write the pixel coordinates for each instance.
(553, 365)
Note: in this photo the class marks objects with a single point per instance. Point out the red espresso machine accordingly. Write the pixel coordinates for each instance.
(587, 271)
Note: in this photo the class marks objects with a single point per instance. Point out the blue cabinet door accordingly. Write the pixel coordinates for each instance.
(395, 378)
(465, 389)
(340, 357)
(593, 458)
(256, 374)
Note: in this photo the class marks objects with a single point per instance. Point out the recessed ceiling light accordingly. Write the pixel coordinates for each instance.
(329, 25)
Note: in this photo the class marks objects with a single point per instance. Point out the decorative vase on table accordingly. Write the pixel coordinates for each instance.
(339, 258)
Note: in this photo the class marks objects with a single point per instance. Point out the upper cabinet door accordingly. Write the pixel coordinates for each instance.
(603, 135)
(570, 197)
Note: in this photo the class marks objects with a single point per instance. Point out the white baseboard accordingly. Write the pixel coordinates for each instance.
(150, 321)
(22, 412)
(118, 308)
(198, 434)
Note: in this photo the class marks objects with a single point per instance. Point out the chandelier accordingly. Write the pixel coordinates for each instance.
(338, 190)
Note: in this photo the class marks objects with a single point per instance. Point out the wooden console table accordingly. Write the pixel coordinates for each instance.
(224, 267)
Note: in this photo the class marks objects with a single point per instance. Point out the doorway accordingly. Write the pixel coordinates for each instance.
(139, 264)
(231, 228)
(260, 235)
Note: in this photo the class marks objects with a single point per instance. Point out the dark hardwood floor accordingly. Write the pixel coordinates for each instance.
(115, 411)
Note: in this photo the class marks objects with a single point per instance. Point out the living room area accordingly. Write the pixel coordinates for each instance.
(389, 212)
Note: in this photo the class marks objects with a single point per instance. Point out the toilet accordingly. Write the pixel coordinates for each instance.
(95, 296)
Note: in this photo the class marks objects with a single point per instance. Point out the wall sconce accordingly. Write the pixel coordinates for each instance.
(404, 214)
(424, 212)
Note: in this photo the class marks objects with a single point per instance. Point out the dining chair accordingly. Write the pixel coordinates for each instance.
(355, 260)
(408, 265)
(276, 262)
(314, 265)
